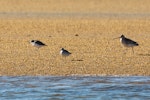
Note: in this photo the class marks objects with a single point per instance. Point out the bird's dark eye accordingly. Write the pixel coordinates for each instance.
(32, 41)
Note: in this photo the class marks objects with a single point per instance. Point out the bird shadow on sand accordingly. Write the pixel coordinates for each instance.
(77, 60)
(144, 54)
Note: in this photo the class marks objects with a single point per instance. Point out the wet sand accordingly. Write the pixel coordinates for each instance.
(88, 38)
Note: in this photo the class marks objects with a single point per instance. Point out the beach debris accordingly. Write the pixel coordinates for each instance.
(76, 35)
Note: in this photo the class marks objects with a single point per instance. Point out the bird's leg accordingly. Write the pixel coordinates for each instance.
(132, 50)
(125, 51)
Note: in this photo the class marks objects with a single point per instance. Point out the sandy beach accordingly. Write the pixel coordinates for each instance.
(86, 28)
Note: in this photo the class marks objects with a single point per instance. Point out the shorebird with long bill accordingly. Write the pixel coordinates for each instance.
(126, 42)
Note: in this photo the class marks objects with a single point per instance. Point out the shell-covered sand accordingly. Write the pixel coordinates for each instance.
(89, 39)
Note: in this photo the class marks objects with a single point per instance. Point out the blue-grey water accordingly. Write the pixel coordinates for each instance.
(74, 88)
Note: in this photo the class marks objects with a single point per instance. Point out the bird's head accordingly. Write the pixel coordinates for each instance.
(122, 36)
(32, 41)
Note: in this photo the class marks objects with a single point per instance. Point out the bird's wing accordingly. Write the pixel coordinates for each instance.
(40, 43)
(67, 51)
(129, 41)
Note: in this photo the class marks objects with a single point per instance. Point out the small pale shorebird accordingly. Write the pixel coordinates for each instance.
(64, 52)
(128, 42)
(37, 43)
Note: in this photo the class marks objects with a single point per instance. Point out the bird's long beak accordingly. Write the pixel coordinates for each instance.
(116, 38)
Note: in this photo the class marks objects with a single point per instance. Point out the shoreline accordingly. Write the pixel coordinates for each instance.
(74, 15)
(83, 75)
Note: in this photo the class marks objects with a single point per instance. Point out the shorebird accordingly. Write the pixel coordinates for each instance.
(128, 42)
(37, 43)
(64, 52)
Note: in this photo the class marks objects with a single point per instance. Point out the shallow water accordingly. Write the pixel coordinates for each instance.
(74, 88)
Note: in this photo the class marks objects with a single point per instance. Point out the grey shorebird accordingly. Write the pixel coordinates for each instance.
(64, 52)
(128, 42)
(37, 43)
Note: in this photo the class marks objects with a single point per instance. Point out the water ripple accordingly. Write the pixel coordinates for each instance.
(74, 87)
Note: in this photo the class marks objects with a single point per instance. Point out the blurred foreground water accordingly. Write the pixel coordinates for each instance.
(74, 88)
